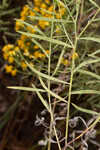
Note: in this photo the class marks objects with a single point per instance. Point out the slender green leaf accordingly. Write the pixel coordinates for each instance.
(25, 88)
(44, 102)
(49, 19)
(87, 62)
(89, 73)
(60, 2)
(85, 110)
(94, 39)
(95, 4)
(94, 53)
(50, 92)
(59, 61)
(85, 92)
(97, 19)
(44, 38)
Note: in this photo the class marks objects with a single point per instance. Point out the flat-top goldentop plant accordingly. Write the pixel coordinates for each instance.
(51, 34)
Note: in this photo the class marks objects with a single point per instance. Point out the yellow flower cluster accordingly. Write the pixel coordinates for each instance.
(31, 51)
(44, 8)
(9, 52)
(11, 70)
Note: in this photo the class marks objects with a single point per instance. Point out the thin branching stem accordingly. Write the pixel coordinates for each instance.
(72, 73)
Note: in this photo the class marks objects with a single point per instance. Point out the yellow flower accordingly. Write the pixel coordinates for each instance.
(26, 50)
(43, 23)
(10, 46)
(23, 18)
(5, 56)
(21, 43)
(23, 37)
(58, 30)
(36, 9)
(74, 55)
(48, 15)
(10, 59)
(12, 53)
(32, 13)
(47, 51)
(4, 48)
(13, 72)
(36, 54)
(30, 29)
(7, 47)
(25, 8)
(37, 2)
(41, 55)
(23, 65)
(43, 12)
(51, 8)
(62, 11)
(26, 53)
(43, 5)
(58, 16)
(23, 13)
(16, 49)
(28, 43)
(36, 47)
(65, 61)
(8, 68)
(18, 25)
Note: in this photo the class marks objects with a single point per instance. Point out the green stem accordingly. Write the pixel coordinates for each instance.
(72, 73)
